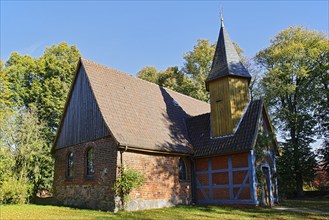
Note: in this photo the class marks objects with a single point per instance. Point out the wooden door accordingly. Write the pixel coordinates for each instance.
(267, 187)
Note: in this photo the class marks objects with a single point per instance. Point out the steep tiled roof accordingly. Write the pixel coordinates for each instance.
(141, 114)
(226, 61)
(242, 140)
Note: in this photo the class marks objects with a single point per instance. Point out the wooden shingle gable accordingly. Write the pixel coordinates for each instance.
(82, 121)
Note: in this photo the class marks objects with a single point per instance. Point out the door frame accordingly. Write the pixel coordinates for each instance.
(269, 183)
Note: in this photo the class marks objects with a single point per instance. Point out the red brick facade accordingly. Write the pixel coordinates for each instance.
(162, 187)
(94, 192)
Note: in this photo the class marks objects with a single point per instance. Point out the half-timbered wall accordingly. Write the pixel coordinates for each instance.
(225, 180)
(83, 120)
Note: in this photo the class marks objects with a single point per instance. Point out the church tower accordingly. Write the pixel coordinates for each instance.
(227, 84)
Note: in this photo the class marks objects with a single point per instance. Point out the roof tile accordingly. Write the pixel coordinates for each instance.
(242, 140)
(142, 114)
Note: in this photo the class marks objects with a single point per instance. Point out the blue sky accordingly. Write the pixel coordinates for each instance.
(129, 35)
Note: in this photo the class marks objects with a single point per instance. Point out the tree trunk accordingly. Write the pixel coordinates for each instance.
(296, 156)
(299, 185)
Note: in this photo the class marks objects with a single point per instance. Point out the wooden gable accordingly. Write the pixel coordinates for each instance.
(265, 127)
(81, 121)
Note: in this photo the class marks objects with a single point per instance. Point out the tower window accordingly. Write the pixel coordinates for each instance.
(182, 169)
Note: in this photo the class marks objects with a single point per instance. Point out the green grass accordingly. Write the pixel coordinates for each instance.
(321, 204)
(181, 212)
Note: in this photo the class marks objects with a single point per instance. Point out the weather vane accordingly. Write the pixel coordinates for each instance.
(221, 14)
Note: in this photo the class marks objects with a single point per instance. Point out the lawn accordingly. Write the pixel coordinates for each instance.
(321, 204)
(181, 212)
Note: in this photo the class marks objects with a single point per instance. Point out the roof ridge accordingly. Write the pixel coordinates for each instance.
(127, 74)
(196, 116)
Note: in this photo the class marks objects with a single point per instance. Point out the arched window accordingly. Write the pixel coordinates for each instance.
(182, 169)
(70, 164)
(90, 161)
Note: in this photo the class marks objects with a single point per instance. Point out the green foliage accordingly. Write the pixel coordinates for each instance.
(189, 80)
(33, 93)
(197, 66)
(264, 139)
(324, 155)
(127, 180)
(291, 66)
(14, 191)
(287, 170)
(42, 83)
(171, 78)
(149, 73)
(25, 155)
(6, 93)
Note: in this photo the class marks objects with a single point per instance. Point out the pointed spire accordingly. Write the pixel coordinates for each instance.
(226, 60)
(221, 16)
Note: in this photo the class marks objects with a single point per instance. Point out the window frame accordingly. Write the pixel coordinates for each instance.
(182, 173)
(70, 165)
(87, 167)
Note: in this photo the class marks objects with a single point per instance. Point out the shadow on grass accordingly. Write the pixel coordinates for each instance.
(244, 211)
(193, 212)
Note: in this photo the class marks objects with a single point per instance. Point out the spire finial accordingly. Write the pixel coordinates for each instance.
(221, 15)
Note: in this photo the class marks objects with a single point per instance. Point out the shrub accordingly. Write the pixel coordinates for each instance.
(13, 191)
(127, 180)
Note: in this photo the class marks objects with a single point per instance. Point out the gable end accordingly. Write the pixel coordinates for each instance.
(82, 121)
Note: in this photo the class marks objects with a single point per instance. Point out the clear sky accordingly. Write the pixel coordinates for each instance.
(128, 35)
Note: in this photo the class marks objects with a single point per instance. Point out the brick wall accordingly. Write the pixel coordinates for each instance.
(79, 191)
(162, 187)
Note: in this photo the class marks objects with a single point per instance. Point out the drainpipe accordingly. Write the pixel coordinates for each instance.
(121, 154)
(193, 179)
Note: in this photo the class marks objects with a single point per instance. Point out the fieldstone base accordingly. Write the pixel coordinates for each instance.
(85, 196)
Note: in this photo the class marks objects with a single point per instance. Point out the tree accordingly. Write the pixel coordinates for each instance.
(149, 73)
(58, 65)
(42, 83)
(26, 158)
(171, 78)
(290, 64)
(33, 94)
(6, 93)
(189, 80)
(324, 156)
(197, 66)
(254, 86)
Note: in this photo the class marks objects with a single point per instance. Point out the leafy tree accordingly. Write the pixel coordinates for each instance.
(189, 80)
(291, 63)
(171, 78)
(149, 73)
(324, 155)
(6, 93)
(33, 92)
(43, 83)
(57, 67)
(254, 87)
(25, 156)
(21, 71)
(197, 66)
